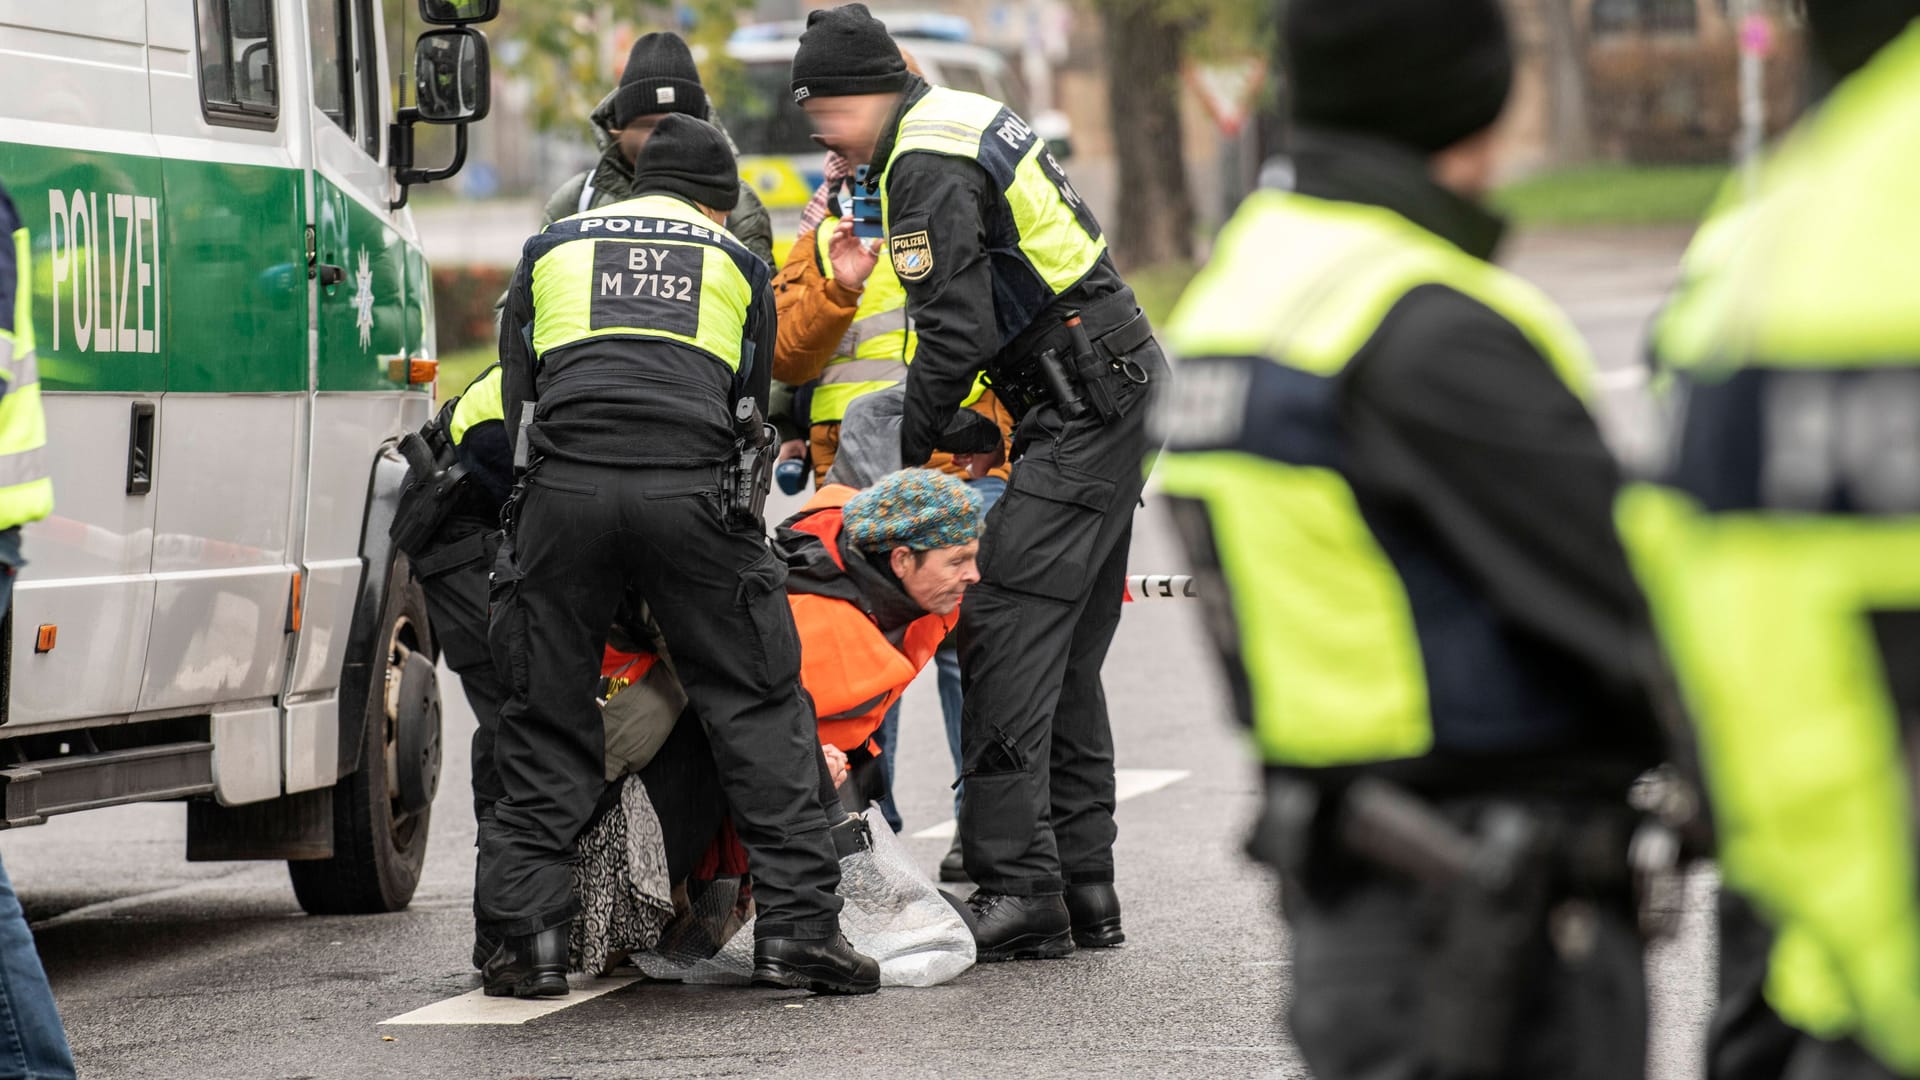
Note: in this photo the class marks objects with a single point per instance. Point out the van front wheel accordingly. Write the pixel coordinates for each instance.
(381, 811)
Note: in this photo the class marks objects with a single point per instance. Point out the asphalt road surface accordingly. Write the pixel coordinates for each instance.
(168, 969)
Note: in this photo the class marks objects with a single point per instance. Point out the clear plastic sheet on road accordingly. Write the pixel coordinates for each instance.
(893, 913)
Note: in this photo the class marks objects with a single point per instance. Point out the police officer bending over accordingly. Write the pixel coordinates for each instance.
(448, 524)
(1383, 452)
(631, 336)
(1006, 269)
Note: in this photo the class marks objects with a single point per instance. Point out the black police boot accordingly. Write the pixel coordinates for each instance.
(1095, 910)
(1019, 927)
(822, 965)
(525, 967)
(485, 944)
(953, 868)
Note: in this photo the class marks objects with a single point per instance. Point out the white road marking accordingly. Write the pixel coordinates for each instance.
(1127, 783)
(476, 1007)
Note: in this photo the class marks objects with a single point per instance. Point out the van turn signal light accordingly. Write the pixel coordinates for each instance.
(414, 371)
(49, 634)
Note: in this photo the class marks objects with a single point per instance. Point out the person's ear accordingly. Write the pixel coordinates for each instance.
(902, 559)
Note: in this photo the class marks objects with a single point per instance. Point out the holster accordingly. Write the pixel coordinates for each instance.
(1491, 932)
(1076, 363)
(1495, 868)
(436, 484)
(525, 461)
(750, 471)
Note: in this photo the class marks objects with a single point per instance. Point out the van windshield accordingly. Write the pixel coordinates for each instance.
(764, 119)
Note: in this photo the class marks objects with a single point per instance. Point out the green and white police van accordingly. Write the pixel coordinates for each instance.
(234, 325)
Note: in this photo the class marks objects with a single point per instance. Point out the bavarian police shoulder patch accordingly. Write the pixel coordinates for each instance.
(912, 255)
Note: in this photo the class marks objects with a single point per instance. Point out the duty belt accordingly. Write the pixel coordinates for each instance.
(1068, 355)
(1521, 871)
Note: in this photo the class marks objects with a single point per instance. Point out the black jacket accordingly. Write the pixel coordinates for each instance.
(957, 203)
(600, 402)
(1487, 482)
(612, 178)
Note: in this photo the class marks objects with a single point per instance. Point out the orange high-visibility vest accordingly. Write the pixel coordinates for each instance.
(849, 667)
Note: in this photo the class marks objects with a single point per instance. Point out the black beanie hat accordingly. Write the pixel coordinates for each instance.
(845, 50)
(1422, 73)
(689, 158)
(1845, 34)
(659, 78)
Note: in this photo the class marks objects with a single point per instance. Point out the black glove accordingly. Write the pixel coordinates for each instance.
(969, 433)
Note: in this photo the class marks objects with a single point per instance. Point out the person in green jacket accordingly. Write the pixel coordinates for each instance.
(660, 78)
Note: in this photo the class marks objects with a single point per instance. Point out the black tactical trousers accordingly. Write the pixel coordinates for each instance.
(453, 572)
(584, 535)
(1747, 1040)
(1036, 810)
(1375, 985)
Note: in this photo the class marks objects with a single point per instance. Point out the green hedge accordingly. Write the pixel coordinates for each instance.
(463, 299)
(462, 366)
(1625, 195)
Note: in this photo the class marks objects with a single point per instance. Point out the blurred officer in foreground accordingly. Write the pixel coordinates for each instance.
(635, 350)
(1383, 456)
(1781, 549)
(1006, 270)
(35, 1044)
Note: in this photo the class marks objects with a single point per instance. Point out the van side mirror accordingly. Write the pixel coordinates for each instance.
(1056, 131)
(451, 76)
(452, 81)
(458, 12)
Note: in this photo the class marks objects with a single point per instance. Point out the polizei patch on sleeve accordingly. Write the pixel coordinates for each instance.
(647, 286)
(912, 255)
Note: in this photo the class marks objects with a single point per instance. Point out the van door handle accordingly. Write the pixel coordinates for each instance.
(331, 274)
(140, 449)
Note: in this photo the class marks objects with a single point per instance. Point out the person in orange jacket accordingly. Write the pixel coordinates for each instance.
(875, 580)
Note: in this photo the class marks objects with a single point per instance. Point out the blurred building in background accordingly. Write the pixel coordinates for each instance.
(1649, 81)
(1644, 82)
(1052, 49)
